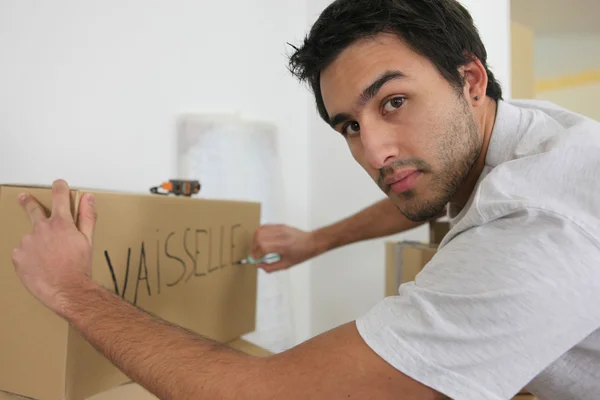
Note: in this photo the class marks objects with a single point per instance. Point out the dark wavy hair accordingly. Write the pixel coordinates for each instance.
(440, 30)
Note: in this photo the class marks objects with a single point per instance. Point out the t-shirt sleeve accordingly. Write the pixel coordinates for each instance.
(494, 307)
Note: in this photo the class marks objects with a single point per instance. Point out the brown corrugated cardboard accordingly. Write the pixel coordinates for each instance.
(403, 261)
(437, 230)
(132, 391)
(170, 256)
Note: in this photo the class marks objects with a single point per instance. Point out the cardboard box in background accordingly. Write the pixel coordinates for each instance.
(170, 256)
(437, 230)
(403, 261)
(132, 391)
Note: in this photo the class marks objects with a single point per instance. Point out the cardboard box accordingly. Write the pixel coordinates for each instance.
(132, 391)
(403, 261)
(437, 230)
(170, 256)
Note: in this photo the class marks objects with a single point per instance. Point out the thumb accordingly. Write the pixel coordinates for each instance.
(87, 216)
(257, 251)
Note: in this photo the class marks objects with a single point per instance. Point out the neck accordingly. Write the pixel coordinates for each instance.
(486, 120)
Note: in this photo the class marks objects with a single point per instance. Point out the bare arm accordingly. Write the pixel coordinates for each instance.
(378, 220)
(173, 363)
(167, 360)
(295, 246)
(54, 264)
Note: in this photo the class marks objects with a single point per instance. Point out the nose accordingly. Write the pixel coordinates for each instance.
(379, 145)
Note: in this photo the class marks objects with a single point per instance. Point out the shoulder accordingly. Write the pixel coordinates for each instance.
(545, 126)
(548, 110)
(518, 242)
(480, 303)
(552, 165)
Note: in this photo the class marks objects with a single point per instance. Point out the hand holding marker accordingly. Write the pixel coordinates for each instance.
(269, 258)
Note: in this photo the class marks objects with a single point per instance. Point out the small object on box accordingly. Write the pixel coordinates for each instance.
(270, 258)
(177, 187)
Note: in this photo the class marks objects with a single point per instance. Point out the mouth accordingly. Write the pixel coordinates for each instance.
(402, 181)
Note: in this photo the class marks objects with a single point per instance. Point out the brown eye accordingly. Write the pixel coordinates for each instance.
(393, 104)
(351, 128)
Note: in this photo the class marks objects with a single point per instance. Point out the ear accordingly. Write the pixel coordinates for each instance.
(475, 82)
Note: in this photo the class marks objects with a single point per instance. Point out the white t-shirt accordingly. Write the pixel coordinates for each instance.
(512, 297)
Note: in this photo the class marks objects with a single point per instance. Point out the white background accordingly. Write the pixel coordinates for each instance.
(90, 92)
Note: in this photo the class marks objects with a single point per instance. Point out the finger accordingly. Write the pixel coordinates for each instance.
(61, 199)
(274, 247)
(87, 216)
(266, 232)
(272, 267)
(264, 267)
(269, 269)
(33, 209)
(257, 250)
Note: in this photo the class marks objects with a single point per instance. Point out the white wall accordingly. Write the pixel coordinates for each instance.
(85, 84)
(560, 55)
(347, 282)
(90, 90)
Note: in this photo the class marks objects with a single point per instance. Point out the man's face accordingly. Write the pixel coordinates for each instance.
(412, 131)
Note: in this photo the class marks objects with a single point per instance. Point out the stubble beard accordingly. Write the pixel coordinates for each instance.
(457, 153)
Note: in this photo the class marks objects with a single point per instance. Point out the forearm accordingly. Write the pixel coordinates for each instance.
(378, 220)
(169, 361)
(172, 363)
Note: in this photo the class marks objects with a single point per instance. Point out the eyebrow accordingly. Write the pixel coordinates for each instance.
(367, 94)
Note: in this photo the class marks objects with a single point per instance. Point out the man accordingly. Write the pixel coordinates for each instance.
(509, 300)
